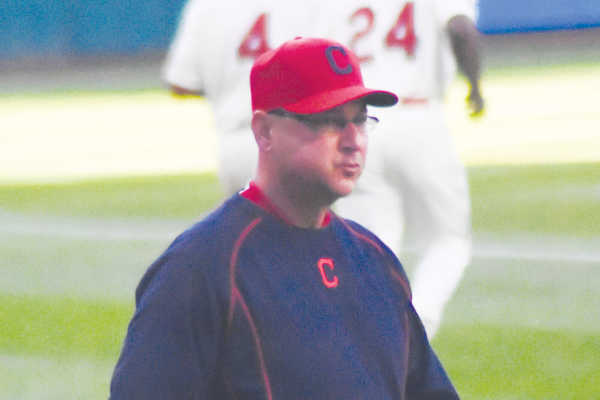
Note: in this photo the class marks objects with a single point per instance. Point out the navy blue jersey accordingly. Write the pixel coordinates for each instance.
(245, 306)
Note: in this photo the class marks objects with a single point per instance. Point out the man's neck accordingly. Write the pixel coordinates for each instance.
(295, 211)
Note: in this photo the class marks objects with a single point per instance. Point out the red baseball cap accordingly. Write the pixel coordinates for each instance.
(309, 75)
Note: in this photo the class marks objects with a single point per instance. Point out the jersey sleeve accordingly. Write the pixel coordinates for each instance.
(182, 64)
(170, 349)
(427, 378)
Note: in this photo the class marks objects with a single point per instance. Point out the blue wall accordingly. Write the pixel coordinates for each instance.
(67, 28)
(85, 27)
(502, 16)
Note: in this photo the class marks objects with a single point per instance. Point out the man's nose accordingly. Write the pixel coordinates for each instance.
(352, 137)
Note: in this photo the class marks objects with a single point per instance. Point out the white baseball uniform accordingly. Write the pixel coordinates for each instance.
(213, 52)
(413, 179)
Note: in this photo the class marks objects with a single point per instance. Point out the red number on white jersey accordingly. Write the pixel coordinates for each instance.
(255, 43)
(403, 33)
(368, 14)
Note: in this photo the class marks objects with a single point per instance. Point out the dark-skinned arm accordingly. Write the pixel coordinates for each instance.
(464, 37)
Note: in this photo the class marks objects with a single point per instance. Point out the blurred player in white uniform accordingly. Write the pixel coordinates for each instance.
(211, 56)
(414, 186)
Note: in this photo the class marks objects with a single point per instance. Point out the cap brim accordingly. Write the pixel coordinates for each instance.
(331, 99)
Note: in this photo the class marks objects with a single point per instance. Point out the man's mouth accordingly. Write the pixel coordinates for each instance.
(350, 169)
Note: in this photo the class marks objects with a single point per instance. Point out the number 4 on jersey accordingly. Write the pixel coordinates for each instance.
(255, 43)
(402, 33)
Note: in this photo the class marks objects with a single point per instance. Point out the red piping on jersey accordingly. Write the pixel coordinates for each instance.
(407, 342)
(363, 237)
(255, 195)
(233, 261)
(395, 274)
(403, 283)
(237, 296)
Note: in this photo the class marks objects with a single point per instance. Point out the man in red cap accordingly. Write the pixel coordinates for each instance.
(273, 296)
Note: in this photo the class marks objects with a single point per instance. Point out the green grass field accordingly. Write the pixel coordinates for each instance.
(524, 323)
(521, 326)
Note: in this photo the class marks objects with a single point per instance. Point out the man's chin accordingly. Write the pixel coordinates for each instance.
(345, 189)
(317, 191)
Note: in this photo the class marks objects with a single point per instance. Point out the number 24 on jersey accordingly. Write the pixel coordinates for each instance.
(401, 35)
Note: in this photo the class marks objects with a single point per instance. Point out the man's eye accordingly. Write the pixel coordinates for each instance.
(330, 122)
(360, 120)
(339, 122)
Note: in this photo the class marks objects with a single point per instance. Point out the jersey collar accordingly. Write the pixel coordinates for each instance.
(255, 195)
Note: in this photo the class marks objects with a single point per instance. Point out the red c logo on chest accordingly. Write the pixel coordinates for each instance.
(327, 262)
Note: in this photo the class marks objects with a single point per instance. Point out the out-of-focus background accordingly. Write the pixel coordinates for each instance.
(100, 168)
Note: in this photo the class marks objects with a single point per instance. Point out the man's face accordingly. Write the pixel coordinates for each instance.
(321, 155)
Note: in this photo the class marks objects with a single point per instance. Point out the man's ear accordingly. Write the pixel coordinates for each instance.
(261, 127)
